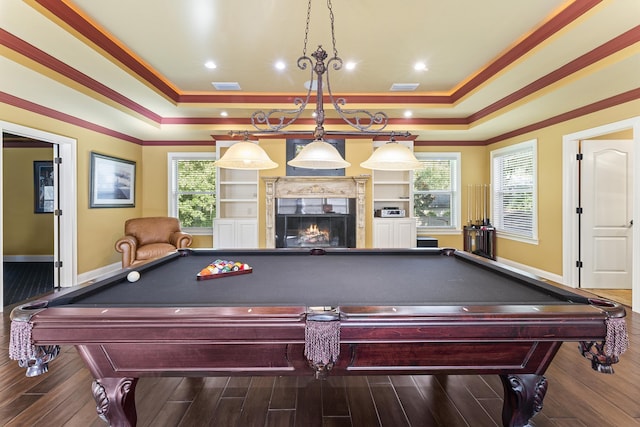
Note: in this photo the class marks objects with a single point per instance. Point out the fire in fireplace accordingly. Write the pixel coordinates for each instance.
(313, 235)
(315, 223)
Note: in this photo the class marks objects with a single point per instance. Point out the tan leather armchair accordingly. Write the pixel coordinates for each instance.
(148, 238)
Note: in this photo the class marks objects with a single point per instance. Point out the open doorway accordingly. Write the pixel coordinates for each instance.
(574, 233)
(28, 194)
(65, 241)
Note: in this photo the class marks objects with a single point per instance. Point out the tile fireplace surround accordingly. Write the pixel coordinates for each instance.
(290, 187)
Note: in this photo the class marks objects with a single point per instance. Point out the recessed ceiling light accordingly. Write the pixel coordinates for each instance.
(280, 65)
(308, 85)
(408, 114)
(224, 113)
(420, 66)
(210, 65)
(350, 65)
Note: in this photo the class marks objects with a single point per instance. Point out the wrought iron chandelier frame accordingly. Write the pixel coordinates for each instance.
(363, 121)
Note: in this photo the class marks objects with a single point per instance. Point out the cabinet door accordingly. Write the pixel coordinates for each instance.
(382, 233)
(394, 233)
(235, 233)
(224, 232)
(405, 234)
(246, 234)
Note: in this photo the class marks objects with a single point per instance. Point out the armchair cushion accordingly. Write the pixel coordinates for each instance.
(148, 238)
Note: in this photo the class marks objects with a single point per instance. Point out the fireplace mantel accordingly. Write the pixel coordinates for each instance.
(293, 187)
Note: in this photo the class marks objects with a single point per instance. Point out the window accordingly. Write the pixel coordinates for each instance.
(192, 191)
(513, 178)
(436, 191)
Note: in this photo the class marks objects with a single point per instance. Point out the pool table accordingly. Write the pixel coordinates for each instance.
(322, 312)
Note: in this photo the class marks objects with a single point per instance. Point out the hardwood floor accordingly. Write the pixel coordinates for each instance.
(577, 396)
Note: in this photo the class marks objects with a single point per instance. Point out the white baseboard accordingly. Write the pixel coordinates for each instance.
(541, 273)
(96, 274)
(27, 258)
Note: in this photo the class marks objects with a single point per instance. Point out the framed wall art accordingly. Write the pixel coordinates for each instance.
(113, 182)
(295, 145)
(43, 187)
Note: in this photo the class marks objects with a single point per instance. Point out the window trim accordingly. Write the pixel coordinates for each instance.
(172, 201)
(456, 203)
(532, 145)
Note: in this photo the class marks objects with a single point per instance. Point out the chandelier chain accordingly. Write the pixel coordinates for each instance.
(333, 34)
(275, 120)
(306, 29)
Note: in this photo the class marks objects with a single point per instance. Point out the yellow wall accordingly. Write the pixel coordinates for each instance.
(547, 254)
(98, 229)
(24, 232)
(276, 149)
(625, 134)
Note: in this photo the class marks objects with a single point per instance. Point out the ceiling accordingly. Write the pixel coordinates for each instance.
(135, 69)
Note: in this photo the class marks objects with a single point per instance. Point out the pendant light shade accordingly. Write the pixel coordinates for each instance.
(319, 155)
(392, 157)
(246, 155)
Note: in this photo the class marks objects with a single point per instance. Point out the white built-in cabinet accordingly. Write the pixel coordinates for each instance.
(235, 233)
(393, 189)
(236, 223)
(394, 232)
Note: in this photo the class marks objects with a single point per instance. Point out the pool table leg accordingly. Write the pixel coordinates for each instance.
(115, 400)
(523, 395)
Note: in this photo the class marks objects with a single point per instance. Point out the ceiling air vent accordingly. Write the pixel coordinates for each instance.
(404, 87)
(226, 85)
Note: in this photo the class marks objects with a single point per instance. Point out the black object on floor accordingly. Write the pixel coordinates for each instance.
(24, 280)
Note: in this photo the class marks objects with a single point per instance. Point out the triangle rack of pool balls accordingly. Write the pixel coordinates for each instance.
(223, 268)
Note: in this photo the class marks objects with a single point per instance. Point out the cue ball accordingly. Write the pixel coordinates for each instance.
(133, 276)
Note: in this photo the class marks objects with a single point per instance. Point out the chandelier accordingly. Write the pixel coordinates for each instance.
(319, 154)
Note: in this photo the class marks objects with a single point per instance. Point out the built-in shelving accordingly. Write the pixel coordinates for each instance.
(393, 189)
(236, 224)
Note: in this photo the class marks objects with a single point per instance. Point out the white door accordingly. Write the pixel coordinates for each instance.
(606, 199)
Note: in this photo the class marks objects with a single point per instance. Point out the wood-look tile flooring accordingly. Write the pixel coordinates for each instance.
(623, 296)
(577, 396)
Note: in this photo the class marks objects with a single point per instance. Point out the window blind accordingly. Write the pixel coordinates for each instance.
(514, 191)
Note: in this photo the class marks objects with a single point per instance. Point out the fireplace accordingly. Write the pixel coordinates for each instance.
(309, 222)
(301, 211)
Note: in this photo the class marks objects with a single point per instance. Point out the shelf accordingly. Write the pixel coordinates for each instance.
(393, 189)
(393, 182)
(237, 183)
(247, 191)
(237, 191)
(392, 176)
(237, 175)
